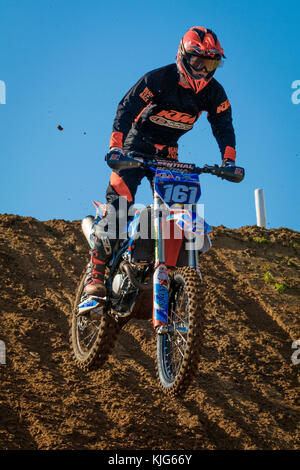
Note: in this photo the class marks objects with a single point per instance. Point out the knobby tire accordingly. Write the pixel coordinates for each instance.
(104, 342)
(177, 385)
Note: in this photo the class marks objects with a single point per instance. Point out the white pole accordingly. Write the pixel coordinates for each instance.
(260, 206)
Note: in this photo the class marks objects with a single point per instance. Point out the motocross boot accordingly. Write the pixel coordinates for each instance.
(104, 240)
(94, 279)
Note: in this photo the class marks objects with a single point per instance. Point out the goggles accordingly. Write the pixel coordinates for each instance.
(200, 63)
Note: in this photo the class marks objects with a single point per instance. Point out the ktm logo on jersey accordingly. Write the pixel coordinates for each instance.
(178, 117)
(223, 106)
(174, 119)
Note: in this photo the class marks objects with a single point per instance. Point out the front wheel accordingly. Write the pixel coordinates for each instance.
(92, 334)
(178, 349)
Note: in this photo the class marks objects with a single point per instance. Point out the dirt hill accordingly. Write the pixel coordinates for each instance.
(246, 394)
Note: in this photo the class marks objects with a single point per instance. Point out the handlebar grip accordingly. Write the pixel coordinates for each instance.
(235, 174)
(117, 161)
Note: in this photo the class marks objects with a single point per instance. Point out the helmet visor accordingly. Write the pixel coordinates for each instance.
(203, 64)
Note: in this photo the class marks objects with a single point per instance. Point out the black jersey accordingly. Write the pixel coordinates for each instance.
(159, 110)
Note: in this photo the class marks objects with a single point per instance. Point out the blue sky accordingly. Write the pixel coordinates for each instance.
(69, 62)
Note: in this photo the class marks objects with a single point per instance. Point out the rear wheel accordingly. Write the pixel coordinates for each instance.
(92, 334)
(178, 349)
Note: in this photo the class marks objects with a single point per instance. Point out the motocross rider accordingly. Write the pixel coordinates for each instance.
(162, 106)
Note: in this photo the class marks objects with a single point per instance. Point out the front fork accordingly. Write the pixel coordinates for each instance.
(160, 276)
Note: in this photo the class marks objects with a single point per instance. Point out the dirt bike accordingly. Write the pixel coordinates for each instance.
(158, 274)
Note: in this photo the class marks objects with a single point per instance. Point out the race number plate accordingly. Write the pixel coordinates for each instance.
(177, 188)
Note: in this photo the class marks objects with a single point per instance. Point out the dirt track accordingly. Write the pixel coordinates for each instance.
(246, 395)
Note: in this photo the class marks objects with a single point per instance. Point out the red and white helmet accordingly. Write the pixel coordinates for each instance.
(199, 49)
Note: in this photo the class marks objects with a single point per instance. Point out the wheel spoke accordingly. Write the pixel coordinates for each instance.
(176, 341)
(181, 336)
(86, 333)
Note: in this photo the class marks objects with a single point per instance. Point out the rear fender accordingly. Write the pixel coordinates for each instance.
(100, 210)
(89, 222)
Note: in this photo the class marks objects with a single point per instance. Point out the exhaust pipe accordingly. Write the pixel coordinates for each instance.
(127, 269)
(86, 226)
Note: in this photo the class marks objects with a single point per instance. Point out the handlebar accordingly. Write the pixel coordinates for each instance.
(116, 161)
